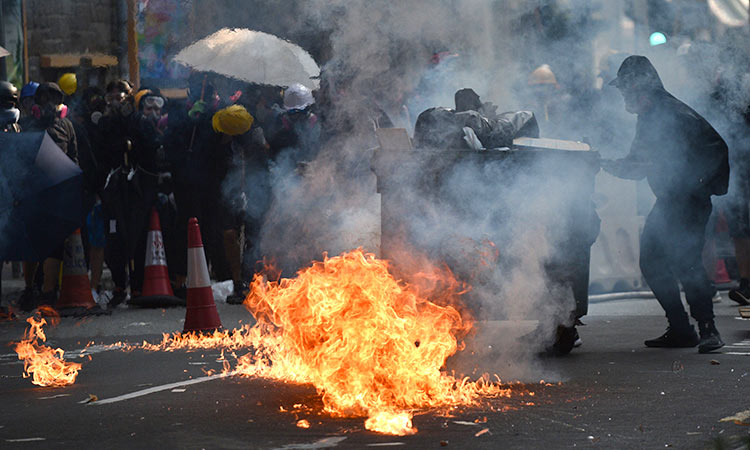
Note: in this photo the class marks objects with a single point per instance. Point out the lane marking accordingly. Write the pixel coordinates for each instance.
(736, 353)
(323, 443)
(53, 396)
(27, 439)
(164, 387)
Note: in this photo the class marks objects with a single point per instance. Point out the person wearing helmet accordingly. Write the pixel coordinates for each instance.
(9, 115)
(46, 115)
(197, 157)
(9, 112)
(130, 150)
(26, 99)
(298, 135)
(685, 162)
(151, 104)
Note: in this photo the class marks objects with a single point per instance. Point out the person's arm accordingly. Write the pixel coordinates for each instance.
(635, 165)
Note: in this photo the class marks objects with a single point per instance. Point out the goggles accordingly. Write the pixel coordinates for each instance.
(114, 97)
(153, 101)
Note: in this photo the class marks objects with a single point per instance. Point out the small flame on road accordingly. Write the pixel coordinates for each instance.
(45, 366)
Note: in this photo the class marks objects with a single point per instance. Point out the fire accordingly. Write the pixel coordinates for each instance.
(45, 365)
(370, 344)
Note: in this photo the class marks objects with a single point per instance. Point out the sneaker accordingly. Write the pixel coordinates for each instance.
(710, 338)
(717, 297)
(741, 295)
(674, 338)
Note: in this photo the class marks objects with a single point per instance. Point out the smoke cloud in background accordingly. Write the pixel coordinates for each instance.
(379, 63)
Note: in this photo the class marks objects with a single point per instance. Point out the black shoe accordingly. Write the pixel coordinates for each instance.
(237, 297)
(674, 338)
(118, 296)
(740, 295)
(710, 338)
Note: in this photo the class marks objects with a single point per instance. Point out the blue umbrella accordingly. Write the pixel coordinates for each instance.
(41, 196)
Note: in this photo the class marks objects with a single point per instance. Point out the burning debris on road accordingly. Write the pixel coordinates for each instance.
(370, 344)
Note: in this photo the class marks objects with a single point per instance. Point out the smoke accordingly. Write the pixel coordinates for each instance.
(503, 226)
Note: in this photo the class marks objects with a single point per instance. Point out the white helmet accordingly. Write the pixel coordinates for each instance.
(297, 96)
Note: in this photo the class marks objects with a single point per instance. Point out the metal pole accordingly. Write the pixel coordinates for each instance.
(133, 64)
(25, 43)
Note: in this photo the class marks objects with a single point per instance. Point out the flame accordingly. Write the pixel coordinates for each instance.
(370, 344)
(398, 424)
(45, 365)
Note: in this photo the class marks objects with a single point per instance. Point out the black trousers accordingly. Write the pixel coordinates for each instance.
(671, 247)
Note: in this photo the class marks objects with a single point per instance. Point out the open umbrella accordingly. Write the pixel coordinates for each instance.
(3, 52)
(251, 56)
(41, 196)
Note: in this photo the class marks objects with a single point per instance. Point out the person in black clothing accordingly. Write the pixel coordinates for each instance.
(130, 150)
(9, 115)
(685, 162)
(85, 116)
(193, 151)
(46, 116)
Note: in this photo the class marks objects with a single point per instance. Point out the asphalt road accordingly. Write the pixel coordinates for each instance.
(612, 393)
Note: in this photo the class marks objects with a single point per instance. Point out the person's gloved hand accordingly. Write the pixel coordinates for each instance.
(198, 108)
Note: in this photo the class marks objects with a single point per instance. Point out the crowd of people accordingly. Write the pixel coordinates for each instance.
(202, 156)
(210, 156)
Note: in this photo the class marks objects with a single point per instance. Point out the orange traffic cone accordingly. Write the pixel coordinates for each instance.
(201, 312)
(156, 291)
(75, 289)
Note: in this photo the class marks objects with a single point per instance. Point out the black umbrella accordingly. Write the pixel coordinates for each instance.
(41, 196)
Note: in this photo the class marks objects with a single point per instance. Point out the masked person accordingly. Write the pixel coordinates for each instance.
(685, 162)
(130, 149)
(46, 115)
(151, 104)
(193, 149)
(9, 115)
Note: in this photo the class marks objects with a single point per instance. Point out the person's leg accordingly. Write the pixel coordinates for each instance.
(741, 295)
(28, 297)
(114, 255)
(656, 267)
(51, 269)
(232, 252)
(29, 269)
(699, 290)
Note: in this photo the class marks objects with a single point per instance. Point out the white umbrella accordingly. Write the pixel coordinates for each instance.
(3, 52)
(251, 56)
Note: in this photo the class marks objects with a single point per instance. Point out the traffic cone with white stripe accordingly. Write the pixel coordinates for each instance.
(201, 312)
(156, 291)
(75, 289)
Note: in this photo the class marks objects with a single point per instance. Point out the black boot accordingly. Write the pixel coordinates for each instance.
(237, 297)
(681, 337)
(710, 338)
(741, 295)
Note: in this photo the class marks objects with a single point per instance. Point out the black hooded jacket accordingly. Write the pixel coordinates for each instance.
(677, 150)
